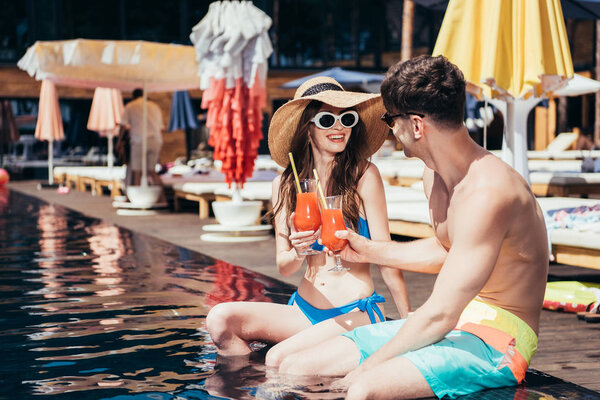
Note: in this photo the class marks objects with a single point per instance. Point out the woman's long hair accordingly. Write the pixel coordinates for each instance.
(348, 167)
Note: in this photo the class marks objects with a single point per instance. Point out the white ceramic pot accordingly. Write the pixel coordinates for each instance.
(143, 197)
(233, 213)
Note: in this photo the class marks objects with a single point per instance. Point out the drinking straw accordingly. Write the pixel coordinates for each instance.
(295, 172)
(320, 189)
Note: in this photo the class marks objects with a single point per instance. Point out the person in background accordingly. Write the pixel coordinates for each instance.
(132, 119)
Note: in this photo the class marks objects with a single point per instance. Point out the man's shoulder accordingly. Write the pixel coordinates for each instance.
(495, 186)
(133, 104)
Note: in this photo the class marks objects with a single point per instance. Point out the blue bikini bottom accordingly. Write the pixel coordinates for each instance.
(316, 315)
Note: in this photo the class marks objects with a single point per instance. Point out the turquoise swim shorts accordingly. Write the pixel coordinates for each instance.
(458, 365)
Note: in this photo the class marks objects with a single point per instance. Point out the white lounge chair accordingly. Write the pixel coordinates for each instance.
(569, 246)
(564, 184)
(258, 188)
(96, 178)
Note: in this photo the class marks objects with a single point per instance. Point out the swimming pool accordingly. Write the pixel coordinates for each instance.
(90, 310)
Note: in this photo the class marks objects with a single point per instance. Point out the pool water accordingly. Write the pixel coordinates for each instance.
(90, 310)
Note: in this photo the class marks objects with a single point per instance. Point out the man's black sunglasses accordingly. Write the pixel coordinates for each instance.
(389, 119)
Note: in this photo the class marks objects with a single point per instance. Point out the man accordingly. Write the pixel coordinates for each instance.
(478, 329)
(133, 119)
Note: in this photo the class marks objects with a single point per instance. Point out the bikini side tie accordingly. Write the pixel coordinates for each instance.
(369, 304)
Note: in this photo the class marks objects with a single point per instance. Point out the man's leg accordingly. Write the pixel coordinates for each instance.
(397, 378)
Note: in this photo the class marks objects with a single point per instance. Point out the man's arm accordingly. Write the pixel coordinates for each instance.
(477, 240)
(423, 255)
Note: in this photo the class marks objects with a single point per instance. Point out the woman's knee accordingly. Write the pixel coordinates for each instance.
(275, 356)
(220, 320)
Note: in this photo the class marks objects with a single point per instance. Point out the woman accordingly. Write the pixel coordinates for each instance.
(335, 132)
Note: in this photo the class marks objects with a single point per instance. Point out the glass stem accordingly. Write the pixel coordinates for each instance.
(338, 260)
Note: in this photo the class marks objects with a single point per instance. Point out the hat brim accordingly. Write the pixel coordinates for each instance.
(285, 120)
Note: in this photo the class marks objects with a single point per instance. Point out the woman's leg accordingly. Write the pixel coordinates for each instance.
(314, 335)
(334, 357)
(232, 325)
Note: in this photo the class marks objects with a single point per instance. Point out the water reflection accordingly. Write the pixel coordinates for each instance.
(98, 311)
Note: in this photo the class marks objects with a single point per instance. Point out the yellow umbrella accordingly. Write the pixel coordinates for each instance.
(515, 51)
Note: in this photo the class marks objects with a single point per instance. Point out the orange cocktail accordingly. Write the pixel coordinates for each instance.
(307, 216)
(333, 220)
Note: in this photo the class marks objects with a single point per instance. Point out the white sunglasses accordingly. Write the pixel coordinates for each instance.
(326, 119)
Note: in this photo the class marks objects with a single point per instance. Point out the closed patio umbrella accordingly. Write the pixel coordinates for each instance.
(105, 116)
(49, 126)
(118, 64)
(183, 117)
(232, 46)
(9, 133)
(515, 51)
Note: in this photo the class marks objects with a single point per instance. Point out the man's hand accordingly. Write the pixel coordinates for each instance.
(355, 250)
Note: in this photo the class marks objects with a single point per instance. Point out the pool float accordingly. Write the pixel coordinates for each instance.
(570, 296)
(4, 177)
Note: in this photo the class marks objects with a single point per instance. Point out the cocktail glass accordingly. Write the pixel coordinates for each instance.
(307, 216)
(332, 220)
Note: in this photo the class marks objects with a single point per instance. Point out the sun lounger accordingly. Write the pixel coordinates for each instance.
(266, 163)
(564, 184)
(563, 155)
(578, 243)
(548, 177)
(555, 165)
(252, 191)
(96, 178)
(204, 192)
(398, 171)
(569, 246)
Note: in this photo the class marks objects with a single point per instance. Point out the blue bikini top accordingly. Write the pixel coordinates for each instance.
(363, 230)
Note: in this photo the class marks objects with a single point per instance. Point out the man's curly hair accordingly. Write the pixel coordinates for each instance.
(429, 85)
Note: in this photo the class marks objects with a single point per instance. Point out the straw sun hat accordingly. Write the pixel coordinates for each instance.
(326, 90)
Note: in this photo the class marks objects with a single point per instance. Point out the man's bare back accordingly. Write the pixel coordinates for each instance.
(519, 275)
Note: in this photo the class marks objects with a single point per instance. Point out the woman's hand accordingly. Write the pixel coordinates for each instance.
(301, 241)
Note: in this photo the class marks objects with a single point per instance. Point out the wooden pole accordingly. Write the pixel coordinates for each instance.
(597, 105)
(408, 18)
(562, 115)
(275, 37)
(354, 6)
(144, 182)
